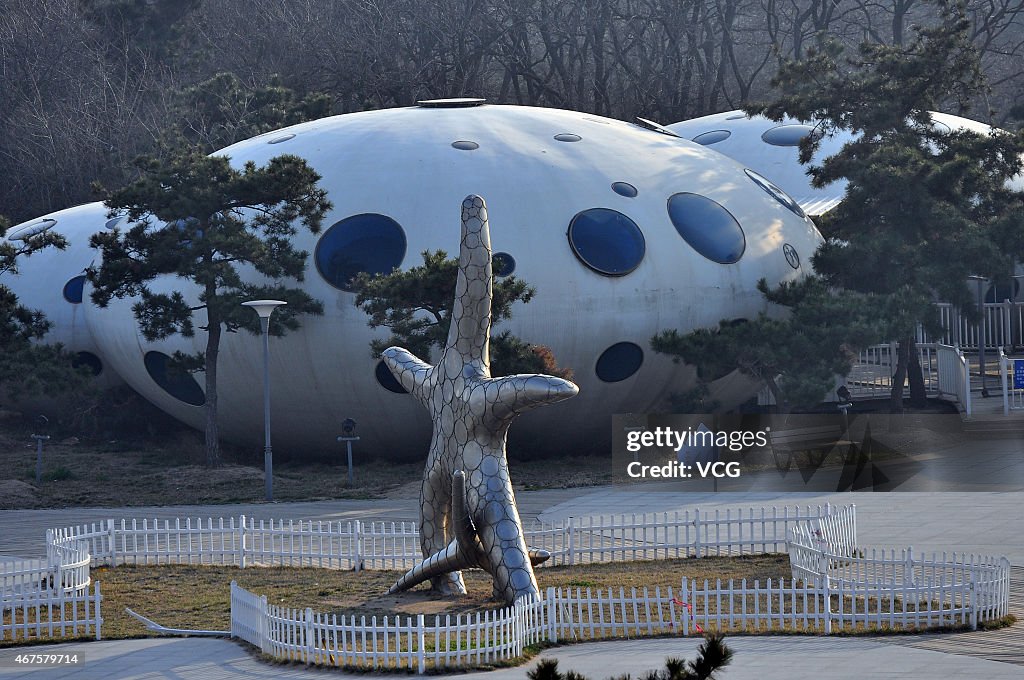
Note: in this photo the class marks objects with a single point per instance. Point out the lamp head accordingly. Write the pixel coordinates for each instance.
(264, 307)
(348, 427)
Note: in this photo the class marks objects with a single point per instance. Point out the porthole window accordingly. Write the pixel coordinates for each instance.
(465, 145)
(387, 380)
(114, 221)
(73, 290)
(25, 232)
(624, 189)
(709, 228)
(607, 241)
(369, 243)
(90, 361)
(619, 361)
(282, 138)
(503, 264)
(776, 193)
(179, 384)
(787, 135)
(712, 137)
(568, 137)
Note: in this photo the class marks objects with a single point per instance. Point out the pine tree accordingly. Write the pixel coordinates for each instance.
(925, 207)
(815, 340)
(26, 366)
(195, 217)
(416, 306)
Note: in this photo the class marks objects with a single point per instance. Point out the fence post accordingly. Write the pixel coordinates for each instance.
(264, 625)
(552, 613)
(113, 542)
(421, 640)
(572, 539)
(357, 545)
(310, 642)
(241, 542)
(96, 610)
(827, 586)
(972, 586)
(908, 569)
(696, 533)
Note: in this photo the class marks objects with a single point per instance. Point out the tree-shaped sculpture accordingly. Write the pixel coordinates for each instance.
(468, 514)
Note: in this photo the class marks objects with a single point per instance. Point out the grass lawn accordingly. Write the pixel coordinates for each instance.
(198, 597)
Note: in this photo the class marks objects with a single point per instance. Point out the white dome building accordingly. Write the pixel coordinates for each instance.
(771, 148)
(53, 281)
(624, 232)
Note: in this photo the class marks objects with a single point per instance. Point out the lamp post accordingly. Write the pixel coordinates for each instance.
(264, 308)
(348, 429)
(41, 423)
(981, 332)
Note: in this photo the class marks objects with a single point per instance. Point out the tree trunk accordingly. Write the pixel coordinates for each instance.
(212, 431)
(918, 396)
(896, 396)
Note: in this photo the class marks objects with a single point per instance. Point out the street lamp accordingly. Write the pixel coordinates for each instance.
(348, 435)
(41, 423)
(264, 308)
(981, 332)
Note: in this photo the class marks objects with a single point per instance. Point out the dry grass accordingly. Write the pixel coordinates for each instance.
(198, 597)
(171, 472)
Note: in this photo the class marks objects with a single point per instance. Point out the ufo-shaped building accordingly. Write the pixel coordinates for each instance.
(772, 149)
(623, 230)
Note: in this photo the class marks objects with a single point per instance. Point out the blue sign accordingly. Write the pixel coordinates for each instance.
(1018, 374)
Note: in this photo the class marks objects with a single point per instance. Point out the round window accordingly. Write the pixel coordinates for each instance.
(619, 361)
(607, 241)
(177, 383)
(503, 264)
(73, 290)
(712, 137)
(709, 228)
(369, 243)
(89, 360)
(787, 135)
(387, 380)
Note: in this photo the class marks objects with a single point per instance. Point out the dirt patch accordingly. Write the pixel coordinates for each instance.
(15, 493)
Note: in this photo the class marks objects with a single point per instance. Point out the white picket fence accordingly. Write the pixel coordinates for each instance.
(52, 599)
(359, 545)
(389, 642)
(895, 588)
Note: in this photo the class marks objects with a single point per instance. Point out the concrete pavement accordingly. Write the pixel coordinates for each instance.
(756, 658)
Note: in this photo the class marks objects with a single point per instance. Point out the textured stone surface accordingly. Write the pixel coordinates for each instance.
(468, 514)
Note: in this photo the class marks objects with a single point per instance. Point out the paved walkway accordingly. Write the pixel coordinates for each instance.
(757, 658)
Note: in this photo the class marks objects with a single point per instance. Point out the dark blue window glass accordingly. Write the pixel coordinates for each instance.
(387, 380)
(369, 243)
(89, 360)
(619, 361)
(73, 290)
(787, 135)
(624, 189)
(712, 137)
(607, 241)
(503, 264)
(179, 384)
(709, 228)
(776, 193)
